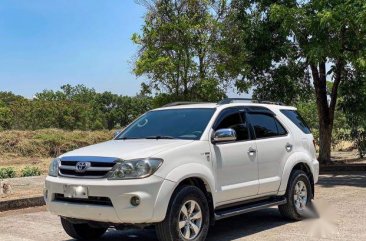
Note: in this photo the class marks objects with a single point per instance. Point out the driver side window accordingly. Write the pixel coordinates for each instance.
(231, 118)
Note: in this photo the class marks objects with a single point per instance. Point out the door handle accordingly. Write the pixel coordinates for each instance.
(252, 151)
(288, 147)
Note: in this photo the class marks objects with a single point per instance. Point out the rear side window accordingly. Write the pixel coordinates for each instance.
(296, 118)
(266, 126)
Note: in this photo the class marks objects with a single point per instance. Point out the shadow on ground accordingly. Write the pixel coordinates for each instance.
(224, 230)
(248, 224)
(353, 179)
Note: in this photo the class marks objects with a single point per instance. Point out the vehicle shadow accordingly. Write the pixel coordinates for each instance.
(354, 179)
(246, 225)
(224, 230)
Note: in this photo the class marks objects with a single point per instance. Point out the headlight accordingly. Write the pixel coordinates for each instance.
(132, 169)
(53, 169)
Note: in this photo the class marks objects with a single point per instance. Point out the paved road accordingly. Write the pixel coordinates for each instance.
(340, 198)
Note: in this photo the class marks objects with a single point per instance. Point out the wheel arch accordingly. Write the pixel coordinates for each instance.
(204, 187)
(192, 174)
(298, 161)
(305, 168)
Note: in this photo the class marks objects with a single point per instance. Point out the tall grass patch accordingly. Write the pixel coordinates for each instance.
(47, 142)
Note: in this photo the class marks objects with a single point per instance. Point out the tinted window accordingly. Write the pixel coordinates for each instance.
(174, 123)
(266, 126)
(295, 117)
(281, 130)
(231, 118)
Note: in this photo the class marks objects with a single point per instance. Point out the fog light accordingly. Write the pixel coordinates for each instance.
(135, 201)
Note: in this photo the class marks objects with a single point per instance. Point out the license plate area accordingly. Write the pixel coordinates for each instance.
(73, 191)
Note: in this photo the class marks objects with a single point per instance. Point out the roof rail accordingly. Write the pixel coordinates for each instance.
(271, 102)
(231, 100)
(181, 103)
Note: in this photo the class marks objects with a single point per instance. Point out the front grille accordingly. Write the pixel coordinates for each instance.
(104, 201)
(97, 167)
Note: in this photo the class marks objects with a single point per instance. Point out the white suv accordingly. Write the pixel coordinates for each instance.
(181, 167)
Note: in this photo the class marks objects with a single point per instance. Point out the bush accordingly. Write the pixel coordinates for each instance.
(30, 171)
(7, 172)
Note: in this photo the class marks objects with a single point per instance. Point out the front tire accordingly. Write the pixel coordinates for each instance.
(298, 195)
(82, 231)
(187, 218)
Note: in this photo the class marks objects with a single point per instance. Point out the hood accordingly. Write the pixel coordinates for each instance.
(128, 149)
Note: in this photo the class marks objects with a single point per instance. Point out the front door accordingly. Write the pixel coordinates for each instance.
(236, 161)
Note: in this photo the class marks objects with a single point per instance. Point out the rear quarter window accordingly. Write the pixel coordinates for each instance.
(296, 118)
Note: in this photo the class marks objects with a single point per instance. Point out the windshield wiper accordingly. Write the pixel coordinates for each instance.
(160, 137)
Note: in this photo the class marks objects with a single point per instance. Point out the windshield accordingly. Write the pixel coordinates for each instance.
(186, 124)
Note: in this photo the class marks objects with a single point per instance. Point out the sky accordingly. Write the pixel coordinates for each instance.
(45, 44)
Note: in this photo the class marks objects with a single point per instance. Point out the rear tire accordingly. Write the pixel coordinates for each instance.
(298, 195)
(82, 231)
(187, 218)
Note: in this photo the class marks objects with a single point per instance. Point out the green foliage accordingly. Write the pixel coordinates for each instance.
(8, 97)
(7, 172)
(287, 83)
(5, 116)
(71, 108)
(270, 44)
(274, 46)
(178, 49)
(352, 104)
(30, 171)
(308, 111)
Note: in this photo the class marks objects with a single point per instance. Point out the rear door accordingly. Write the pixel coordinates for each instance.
(274, 145)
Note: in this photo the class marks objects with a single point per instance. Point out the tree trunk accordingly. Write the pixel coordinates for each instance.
(325, 143)
(325, 119)
(325, 111)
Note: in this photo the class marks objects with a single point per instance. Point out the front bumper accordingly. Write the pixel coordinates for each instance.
(154, 193)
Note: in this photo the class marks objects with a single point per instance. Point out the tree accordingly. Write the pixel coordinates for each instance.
(8, 97)
(323, 37)
(5, 116)
(177, 49)
(352, 104)
(78, 93)
(71, 108)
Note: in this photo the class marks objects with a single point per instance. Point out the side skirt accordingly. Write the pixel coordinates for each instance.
(248, 207)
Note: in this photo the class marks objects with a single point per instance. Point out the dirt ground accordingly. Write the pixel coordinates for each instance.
(340, 199)
(25, 187)
(348, 157)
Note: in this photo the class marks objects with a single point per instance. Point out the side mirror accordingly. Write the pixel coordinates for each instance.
(116, 133)
(224, 135)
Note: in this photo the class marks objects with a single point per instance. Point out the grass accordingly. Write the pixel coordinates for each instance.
(48, 142)
(21, 150)
(7, 172)
(30, 171)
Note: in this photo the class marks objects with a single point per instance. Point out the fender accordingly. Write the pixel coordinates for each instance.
(295, 158)
(174, 178)
(193, 170)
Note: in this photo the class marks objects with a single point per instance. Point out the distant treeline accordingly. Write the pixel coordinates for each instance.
(70, 108)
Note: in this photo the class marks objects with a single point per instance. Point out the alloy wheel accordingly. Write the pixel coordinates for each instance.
(190, 220)
(300, 196)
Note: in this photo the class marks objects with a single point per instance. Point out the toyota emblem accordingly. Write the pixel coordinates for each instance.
(81, 167)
